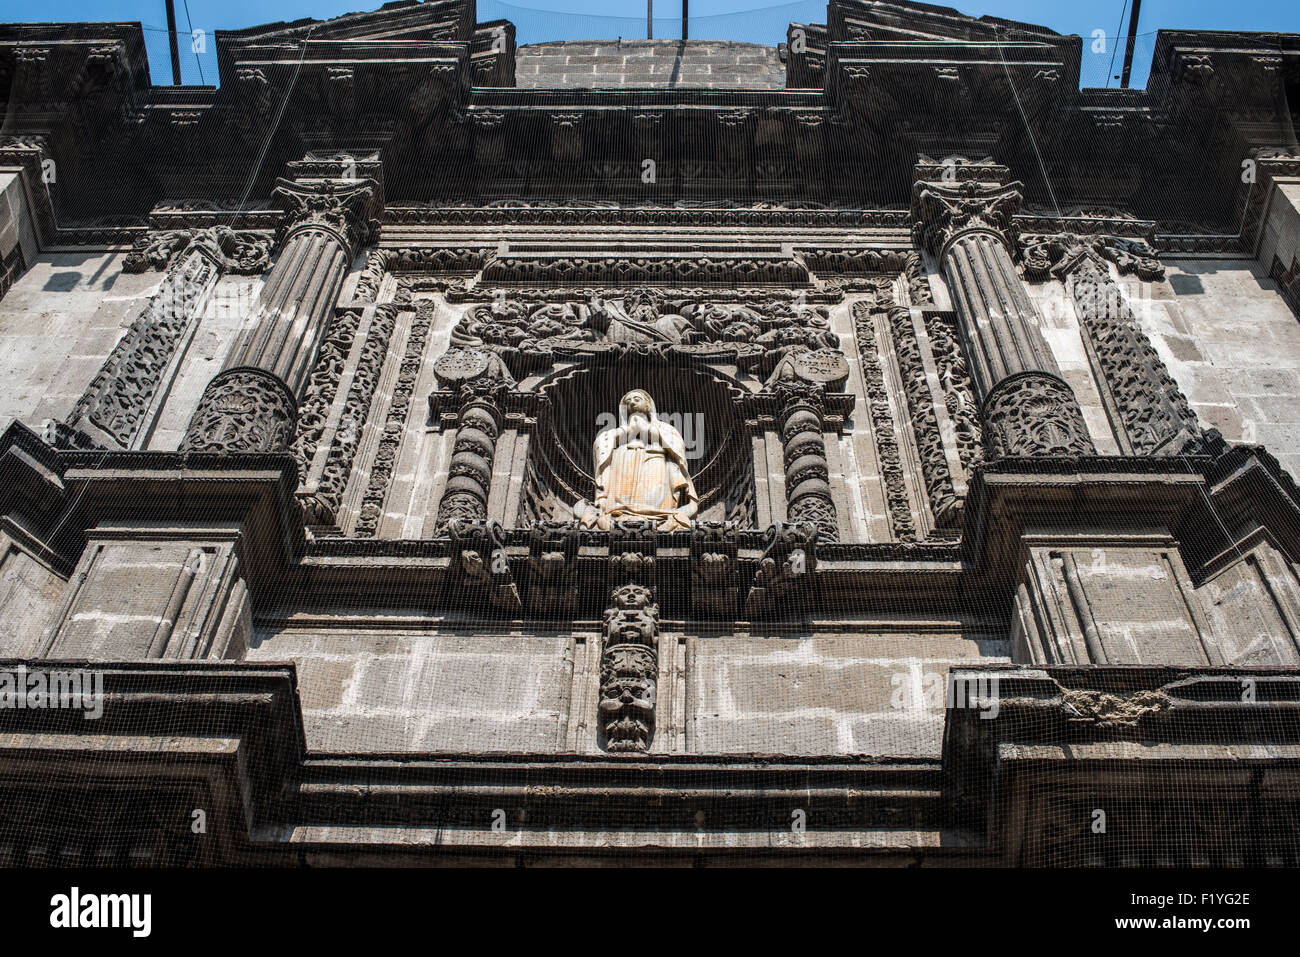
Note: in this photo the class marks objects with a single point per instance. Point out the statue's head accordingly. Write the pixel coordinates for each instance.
(638, 400)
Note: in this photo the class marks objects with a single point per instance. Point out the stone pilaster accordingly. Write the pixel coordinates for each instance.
(1027, 408)
(807, 474)
(251, 405)
(1148, 412)
(119, 406)
(629, 669)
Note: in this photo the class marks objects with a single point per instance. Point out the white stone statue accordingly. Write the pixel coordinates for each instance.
(640, 469)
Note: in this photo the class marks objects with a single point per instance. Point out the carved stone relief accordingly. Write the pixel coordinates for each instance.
(629, 669)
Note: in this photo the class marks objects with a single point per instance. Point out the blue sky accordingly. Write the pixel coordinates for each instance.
(751, 20)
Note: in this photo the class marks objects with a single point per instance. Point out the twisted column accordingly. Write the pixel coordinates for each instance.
(1026, 407)
(251, 405)
(807, 475)
(483, 384)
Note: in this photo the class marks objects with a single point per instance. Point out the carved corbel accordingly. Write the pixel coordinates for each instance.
(715, 573)
(553, 569)
(783, 582)
(479, 561)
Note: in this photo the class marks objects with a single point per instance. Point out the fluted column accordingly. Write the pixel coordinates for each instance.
(1026, 407)
(252, 404)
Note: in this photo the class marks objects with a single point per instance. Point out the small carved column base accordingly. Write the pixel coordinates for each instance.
(244, 409)
(1034, 413)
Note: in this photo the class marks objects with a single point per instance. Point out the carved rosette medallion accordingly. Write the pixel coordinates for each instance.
(1034, 413)
(629, 669)
(244, 409)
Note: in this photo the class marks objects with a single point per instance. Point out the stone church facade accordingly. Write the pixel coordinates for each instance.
(974, 400)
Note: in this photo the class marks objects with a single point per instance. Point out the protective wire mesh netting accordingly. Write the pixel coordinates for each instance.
(711, 521)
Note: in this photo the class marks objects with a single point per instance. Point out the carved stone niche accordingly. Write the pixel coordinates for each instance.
(701, 402)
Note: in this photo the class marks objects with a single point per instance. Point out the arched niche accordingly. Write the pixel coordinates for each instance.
(701, 402)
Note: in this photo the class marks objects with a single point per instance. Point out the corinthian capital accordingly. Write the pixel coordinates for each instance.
(346, 209)
(944, 211)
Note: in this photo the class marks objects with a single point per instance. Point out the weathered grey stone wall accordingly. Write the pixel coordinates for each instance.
(1233, 346)
(57, 324)
(15, 225)
(401, 689)
(877, 695)
(30, 593)
(372, 690)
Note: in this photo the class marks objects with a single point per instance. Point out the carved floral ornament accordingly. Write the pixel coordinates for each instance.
(242, 252)
(346, 210)
(1058, 255)
(765, 337)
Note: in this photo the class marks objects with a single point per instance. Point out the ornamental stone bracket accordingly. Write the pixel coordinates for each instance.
(478, 554)
(784, 581)
(965, 218)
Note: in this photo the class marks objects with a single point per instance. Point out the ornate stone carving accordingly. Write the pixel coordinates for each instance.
(946, 212)
(553, 569)
(629, 669)
(483, 382)
(479, 551)
(1058, 255)
(343, 210)
(807, 475)
(1155, 417)
(1034, 413)
(243, 252)
(399, 409)
(115, 404)
(244, 409)
(969, 225)
(882, 425)
(322, 502)
(958, 390)
(925, 422)
(313, 414)
(640, 470)
(784, 578)
(715, 580)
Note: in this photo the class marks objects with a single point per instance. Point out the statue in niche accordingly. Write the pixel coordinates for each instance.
(640, 469)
